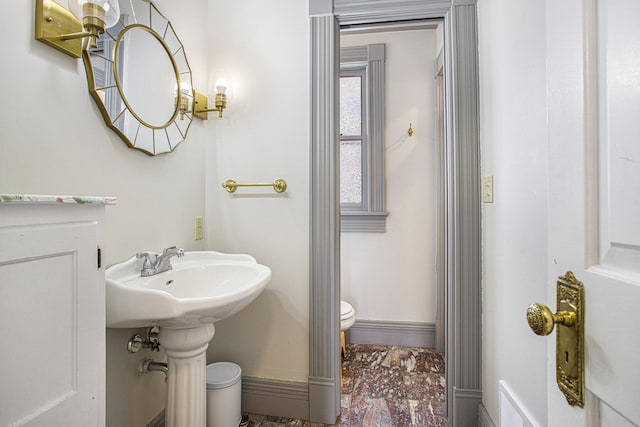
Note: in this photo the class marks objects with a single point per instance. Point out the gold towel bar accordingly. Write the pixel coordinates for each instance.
(279, 185)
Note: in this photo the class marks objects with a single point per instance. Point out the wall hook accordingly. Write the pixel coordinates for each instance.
(410, 131)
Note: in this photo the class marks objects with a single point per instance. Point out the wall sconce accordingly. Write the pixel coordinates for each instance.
(183, 98)
(201, 106)
(59, 28)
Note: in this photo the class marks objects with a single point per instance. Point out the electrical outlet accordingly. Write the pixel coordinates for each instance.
(199, 228)
(487, 189)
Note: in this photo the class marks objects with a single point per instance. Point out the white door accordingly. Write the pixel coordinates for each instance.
(51, 326)
(593, 51)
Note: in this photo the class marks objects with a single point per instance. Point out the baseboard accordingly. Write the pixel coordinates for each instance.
(324, 403)
(464, 408)
(409, 334)
(267, 397)
(275, 397)
(484, 420)
(158, 421)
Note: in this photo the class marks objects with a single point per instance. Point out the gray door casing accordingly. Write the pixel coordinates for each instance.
(462, 198)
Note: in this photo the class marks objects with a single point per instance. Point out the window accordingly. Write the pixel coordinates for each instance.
(362, 205)
(352, 138)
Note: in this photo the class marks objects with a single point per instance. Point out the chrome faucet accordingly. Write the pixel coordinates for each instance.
(157, 263)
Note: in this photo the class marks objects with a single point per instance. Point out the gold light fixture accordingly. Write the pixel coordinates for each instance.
(201, 104)
(65, 29)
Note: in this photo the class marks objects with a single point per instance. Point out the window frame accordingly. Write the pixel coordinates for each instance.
(370, 215)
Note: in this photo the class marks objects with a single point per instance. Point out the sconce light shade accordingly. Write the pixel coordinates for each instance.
(201, 101)
(221, 86)
(108, 11)
(185, 89)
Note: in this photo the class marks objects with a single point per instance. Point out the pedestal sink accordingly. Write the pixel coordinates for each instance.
(184, 302)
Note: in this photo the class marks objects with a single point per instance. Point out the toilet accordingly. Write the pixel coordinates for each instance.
(347, 319)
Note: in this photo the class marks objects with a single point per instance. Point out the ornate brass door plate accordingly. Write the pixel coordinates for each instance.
(569, 335)
(570, 340)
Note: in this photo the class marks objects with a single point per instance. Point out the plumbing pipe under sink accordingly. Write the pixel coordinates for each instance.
(148, 365)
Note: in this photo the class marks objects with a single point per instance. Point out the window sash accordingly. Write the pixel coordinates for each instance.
(369, 215)
(364, 141)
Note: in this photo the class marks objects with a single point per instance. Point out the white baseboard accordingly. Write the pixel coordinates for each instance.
(409, 334)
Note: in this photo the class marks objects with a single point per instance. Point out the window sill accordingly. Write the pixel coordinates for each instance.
(363, 222)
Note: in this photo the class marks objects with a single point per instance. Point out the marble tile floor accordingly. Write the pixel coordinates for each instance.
(384, 386)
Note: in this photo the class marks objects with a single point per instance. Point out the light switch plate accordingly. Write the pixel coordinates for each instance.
(487, 189)
(199, 228)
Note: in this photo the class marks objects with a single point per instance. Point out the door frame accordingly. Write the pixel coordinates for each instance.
(462, 198)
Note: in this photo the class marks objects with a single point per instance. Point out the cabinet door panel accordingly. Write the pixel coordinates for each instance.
(49, 325)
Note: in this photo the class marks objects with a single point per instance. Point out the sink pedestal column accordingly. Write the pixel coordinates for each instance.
(186, 382)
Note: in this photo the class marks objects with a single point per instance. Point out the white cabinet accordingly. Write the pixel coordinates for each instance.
(52, 315)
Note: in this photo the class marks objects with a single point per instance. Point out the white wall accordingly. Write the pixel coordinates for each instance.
(390, 276)
(54, 140)
(514, 245)
(262, 49)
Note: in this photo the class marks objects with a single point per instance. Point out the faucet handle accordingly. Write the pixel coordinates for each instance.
(147, 258)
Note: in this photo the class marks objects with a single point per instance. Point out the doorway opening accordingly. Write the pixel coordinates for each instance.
(462, 206)
(388, 114)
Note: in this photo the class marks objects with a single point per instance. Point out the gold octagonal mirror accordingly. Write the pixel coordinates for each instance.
(140, 78)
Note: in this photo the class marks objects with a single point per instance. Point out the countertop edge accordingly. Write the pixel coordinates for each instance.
(45, 198)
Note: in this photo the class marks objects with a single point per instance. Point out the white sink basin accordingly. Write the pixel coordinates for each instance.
(202, 287)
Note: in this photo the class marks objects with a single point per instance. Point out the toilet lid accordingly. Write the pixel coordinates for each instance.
(346, 310)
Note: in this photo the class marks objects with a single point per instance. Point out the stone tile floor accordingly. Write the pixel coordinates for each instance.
(384, 386)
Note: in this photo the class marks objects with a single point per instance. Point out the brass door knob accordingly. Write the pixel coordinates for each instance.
(542, 320)
(569, 335)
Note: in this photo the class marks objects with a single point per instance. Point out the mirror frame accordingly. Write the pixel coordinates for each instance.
(161, 136)
(119, 84)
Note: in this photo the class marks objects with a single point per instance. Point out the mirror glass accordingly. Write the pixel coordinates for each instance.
(134, 75)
